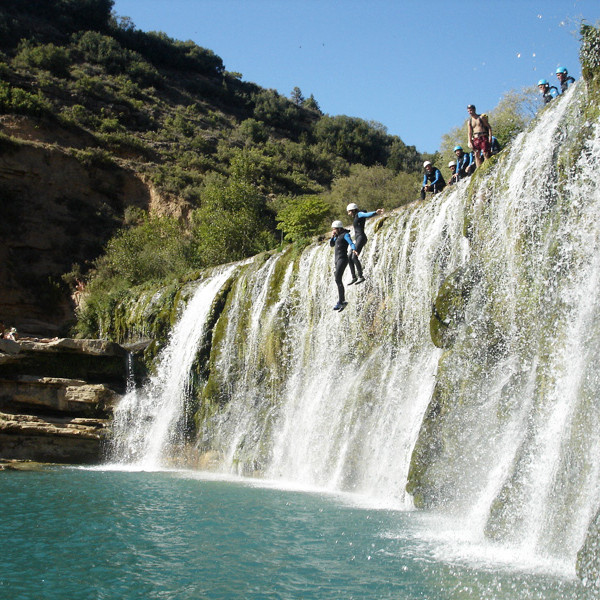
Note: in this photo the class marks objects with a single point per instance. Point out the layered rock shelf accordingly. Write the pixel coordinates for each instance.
(56, 398)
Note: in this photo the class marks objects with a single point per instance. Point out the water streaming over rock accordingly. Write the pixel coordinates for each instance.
(146, 421)
(497, 425)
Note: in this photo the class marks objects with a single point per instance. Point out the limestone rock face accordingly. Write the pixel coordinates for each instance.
(94, 361)
(56, 209)
(51, 439)
(47, 415)
(54, 393)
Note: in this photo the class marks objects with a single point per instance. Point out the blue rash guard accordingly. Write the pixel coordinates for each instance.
(435, 178)
(463, 163)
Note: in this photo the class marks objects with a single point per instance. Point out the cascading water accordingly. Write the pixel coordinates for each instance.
(327, 399)
(517, 439)
(499, 429)
(145, 421)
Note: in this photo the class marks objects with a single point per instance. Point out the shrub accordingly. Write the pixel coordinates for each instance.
(232, 222)
(303, 217)
(55, 59)
(156, 249)
(17, 100)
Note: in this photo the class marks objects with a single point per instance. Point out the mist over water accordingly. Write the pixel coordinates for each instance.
(337, 401)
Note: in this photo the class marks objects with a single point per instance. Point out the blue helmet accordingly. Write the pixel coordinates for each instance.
(562, 70)
(543, 82)
(457, 148)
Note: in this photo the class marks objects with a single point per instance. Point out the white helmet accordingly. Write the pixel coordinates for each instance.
(337, 225)
(351, 206)
(426, 164)
(452, 163)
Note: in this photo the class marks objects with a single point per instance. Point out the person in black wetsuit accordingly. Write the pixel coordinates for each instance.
(359, 217)
(432, 180)
(548, 92)
(340, 239)
(564, 79)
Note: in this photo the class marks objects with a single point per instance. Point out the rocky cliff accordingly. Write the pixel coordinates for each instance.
(58, 206)
(56, 397)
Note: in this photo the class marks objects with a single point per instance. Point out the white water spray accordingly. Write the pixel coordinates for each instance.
(337, 400)
(145, 422)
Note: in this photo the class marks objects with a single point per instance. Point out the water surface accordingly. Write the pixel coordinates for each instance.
(101, 534)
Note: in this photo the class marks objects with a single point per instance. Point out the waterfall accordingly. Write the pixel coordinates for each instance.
(146, 421)
(497, 426)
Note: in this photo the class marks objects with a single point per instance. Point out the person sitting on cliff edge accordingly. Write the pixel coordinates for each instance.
(564, 79)
(548, 92)
(465, 163)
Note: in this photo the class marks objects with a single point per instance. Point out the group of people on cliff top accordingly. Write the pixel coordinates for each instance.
(549, 92)
(483, 145)
(481, 141)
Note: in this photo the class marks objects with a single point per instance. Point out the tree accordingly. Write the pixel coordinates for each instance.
(514, 112)
(303, 217)
(296, 96)
(356, 140)
(311, 104)
(231, 223)
(373, 187)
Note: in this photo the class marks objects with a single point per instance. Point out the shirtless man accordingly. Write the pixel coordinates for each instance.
(479, 134)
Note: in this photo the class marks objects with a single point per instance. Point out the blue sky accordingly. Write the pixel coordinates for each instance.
(410, 65)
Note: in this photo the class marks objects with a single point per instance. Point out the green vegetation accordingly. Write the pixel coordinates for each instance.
(247, 162)
(303, 217)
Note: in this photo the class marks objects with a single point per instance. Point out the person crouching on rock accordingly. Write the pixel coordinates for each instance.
(359, 217)
(432, 180)
(341, 240)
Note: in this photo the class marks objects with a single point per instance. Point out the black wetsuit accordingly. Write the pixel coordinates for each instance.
(341, 243)
(360, 239)
(550, 94)
(564, 85)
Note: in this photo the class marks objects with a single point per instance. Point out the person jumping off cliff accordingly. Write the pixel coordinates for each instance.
(359, 217)
(341, 240)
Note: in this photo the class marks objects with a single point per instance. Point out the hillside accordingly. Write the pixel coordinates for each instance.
(104, 126)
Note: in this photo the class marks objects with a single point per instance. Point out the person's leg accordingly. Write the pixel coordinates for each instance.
(361, 240)
(477, 151)
(340, 267)
(352, 267)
